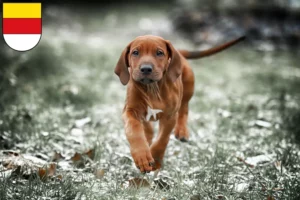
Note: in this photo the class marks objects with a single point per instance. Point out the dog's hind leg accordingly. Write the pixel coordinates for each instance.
(181, 130)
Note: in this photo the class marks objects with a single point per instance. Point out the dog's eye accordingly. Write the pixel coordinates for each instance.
(159, 53)
(135, 52)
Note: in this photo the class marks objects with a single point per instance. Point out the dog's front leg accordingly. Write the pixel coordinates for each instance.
(139, 147)
(158, 147)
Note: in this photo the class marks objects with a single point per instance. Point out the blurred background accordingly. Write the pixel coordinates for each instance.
(249, 93)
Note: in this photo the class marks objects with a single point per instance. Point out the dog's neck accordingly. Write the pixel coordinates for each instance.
(155, 90)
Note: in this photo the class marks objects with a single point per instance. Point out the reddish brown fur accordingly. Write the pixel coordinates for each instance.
(170, 92)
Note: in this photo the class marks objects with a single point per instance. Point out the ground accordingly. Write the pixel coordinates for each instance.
(63, 98)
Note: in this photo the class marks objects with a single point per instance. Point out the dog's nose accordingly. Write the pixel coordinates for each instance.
(146, 69)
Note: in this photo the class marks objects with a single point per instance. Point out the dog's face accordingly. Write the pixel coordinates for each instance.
(148, 58)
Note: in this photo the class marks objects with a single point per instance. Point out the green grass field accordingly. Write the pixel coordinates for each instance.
(244, 118)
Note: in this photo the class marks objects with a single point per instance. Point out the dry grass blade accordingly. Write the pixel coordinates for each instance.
(138, 183)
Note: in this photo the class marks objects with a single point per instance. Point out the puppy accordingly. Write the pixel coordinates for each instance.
(160, 86)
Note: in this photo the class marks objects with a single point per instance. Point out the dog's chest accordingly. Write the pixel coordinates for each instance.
(161, 109)
(166, 105)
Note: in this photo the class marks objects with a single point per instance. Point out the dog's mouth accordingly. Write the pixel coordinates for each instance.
(146, 81)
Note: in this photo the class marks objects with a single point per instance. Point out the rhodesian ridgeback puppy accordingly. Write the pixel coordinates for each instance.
(160, 85)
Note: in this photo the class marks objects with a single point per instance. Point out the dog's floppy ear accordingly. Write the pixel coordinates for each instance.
(121, 68)
(175, 68)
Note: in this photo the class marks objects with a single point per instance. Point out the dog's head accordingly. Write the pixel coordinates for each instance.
(147, 59)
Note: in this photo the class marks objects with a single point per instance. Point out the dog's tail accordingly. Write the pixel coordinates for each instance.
(208, 52)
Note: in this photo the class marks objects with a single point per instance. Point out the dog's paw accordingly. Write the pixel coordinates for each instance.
(143, 159)
(157, 164)
(182, 134)
(158, 155)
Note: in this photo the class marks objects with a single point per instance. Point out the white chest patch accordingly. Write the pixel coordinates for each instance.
(152, 112)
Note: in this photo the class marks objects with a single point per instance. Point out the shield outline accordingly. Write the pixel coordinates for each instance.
(40, 35)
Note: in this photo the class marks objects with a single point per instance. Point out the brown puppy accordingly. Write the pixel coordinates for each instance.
(158, 77)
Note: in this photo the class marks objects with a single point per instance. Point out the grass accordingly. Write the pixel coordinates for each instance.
(44, 92)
